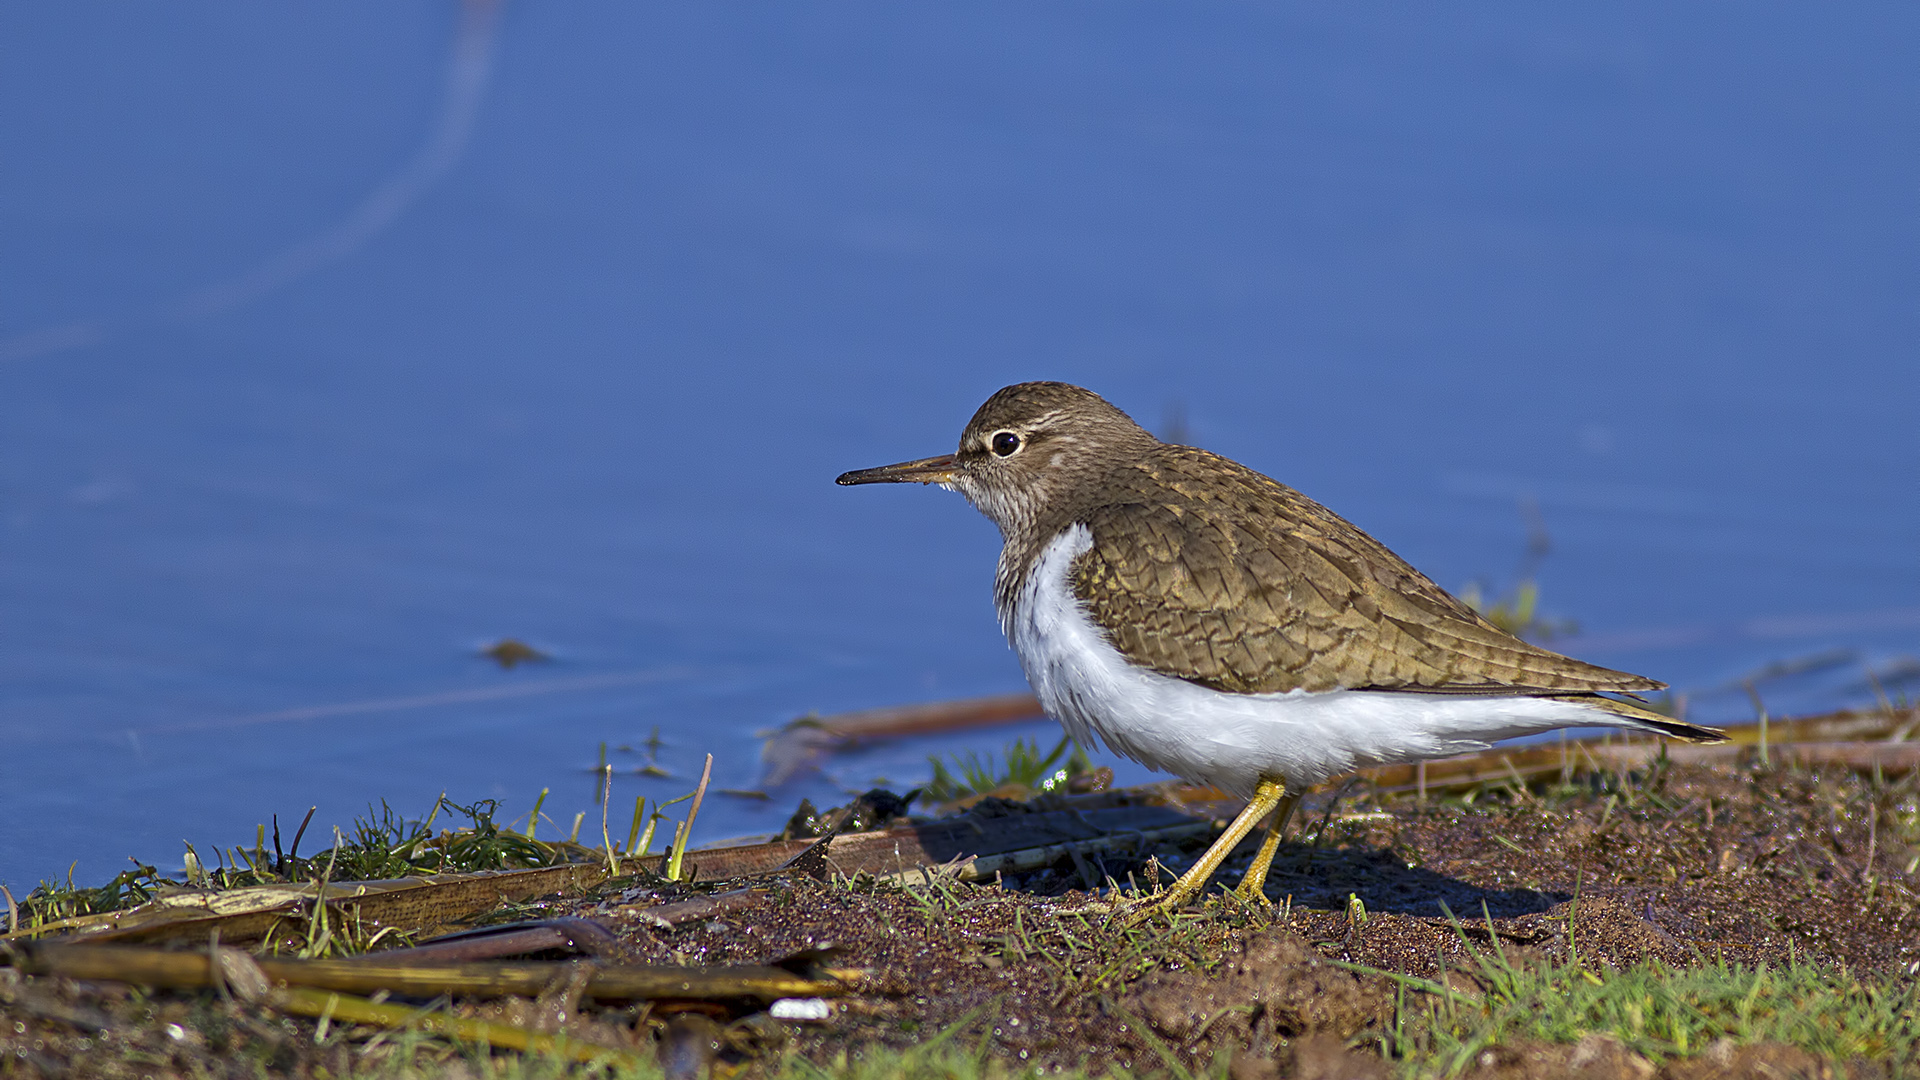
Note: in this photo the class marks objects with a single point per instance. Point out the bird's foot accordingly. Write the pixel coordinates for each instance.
(1270, 794)
(1165, 905)
(1160, 905)
(1253, 893)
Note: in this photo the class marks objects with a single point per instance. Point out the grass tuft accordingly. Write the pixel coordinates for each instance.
(382, 844)
(1024, 770)
(1654, 1010)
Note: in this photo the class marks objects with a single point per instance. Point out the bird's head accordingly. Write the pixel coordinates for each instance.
(1027, 450)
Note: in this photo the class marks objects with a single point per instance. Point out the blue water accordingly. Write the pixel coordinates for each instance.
(331, 350)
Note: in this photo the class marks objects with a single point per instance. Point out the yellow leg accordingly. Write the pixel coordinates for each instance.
(1253, 887)
(1265, 797)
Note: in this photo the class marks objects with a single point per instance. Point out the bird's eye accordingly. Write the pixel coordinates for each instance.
(1005, 443)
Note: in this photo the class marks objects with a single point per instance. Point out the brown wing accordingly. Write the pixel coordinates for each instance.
(1187, 578)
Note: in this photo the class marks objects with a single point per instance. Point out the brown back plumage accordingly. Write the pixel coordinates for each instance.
(1206, 570)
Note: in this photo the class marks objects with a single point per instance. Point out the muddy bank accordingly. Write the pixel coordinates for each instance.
(1387, 914)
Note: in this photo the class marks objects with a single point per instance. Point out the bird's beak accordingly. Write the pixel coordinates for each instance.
(933, 470)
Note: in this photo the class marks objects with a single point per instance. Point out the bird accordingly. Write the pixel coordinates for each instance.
(1208, 621)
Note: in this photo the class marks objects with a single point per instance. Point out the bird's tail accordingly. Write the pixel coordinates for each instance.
(1644, 718)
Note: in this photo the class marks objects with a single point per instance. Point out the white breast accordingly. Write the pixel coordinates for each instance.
(1234, 740)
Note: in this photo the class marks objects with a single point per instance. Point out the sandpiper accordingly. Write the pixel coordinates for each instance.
(1207, 621)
